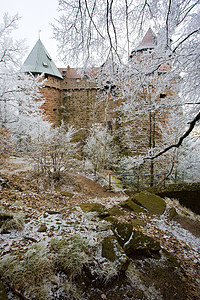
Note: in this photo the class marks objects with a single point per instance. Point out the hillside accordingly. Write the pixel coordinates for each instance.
(79, 241)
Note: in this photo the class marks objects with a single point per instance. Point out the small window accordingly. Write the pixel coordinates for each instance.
(45, 64)
(85, 74)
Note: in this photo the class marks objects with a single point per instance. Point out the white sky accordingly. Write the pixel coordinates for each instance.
(35, 15)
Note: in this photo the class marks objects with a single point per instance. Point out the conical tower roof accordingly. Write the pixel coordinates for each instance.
(39, 61)
(148, 42)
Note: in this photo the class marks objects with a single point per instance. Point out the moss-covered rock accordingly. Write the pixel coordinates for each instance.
(100, 209)
(172, 213)
(115, 211)
(114, 253)
(138, 222)
(131, 205)
(170, 259)
(140, 245)
(134, 242)
(110, 219)
(153, 203)
(165, 277)
(122, 231)
(67, 194)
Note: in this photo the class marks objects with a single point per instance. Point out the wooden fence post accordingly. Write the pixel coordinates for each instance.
(109, 184)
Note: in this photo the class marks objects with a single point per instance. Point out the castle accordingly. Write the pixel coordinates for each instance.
(73, 97)
(70, 95)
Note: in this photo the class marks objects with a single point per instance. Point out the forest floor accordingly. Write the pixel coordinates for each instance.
(22, 192)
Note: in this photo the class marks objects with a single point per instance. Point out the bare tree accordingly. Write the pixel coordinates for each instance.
(97, 32)
(99, 148)
(19, 110)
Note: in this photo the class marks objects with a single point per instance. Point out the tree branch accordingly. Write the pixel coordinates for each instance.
(91, 18)
(180, 141)
(167, 24)
(187, 37)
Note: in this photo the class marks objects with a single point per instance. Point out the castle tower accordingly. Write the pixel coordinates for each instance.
(148, 42)
(39, 61)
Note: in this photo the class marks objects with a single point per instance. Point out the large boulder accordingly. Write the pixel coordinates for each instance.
(132, 206)
(100, 209)
(122, 231)
(135, 243)
(151, 202)
(114, 253)
(140, 245)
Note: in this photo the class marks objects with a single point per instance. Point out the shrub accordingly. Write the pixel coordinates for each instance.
(71, 254)
(15, 222)
(6, 144)
(32, 274)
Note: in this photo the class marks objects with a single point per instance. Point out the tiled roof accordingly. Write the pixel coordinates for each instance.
(71, 72)
(148, 41)
(77, 73)
(39, 61)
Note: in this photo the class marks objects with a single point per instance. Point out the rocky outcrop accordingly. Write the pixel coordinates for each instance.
(108, 253)
(134, 243)
(95, 207)
(131, 205)
(145, 202)
(114, 253)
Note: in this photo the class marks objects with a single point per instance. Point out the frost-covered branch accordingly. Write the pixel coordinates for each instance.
(181, 139)
(20, 98)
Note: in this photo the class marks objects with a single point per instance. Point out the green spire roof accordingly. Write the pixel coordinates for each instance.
(39, 61)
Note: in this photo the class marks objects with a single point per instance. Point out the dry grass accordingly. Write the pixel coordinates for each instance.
(71, 254)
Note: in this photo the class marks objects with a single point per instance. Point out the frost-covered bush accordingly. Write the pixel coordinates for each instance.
(106, 270)
(71, 254)
(32, 275)
(100, 148)
(53, 151)
(189, 164)
(15, 222)
(72, 292)
(6, 144)
(129, 168)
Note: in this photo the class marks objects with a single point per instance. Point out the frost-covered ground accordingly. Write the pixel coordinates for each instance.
(179, 241)
(45, 215)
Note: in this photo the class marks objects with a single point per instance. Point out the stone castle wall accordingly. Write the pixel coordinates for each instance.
(52, 92)
(75, 101)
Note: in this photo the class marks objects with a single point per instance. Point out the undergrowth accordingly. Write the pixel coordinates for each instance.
(15, 222)
(71, 254)
(31, 274)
